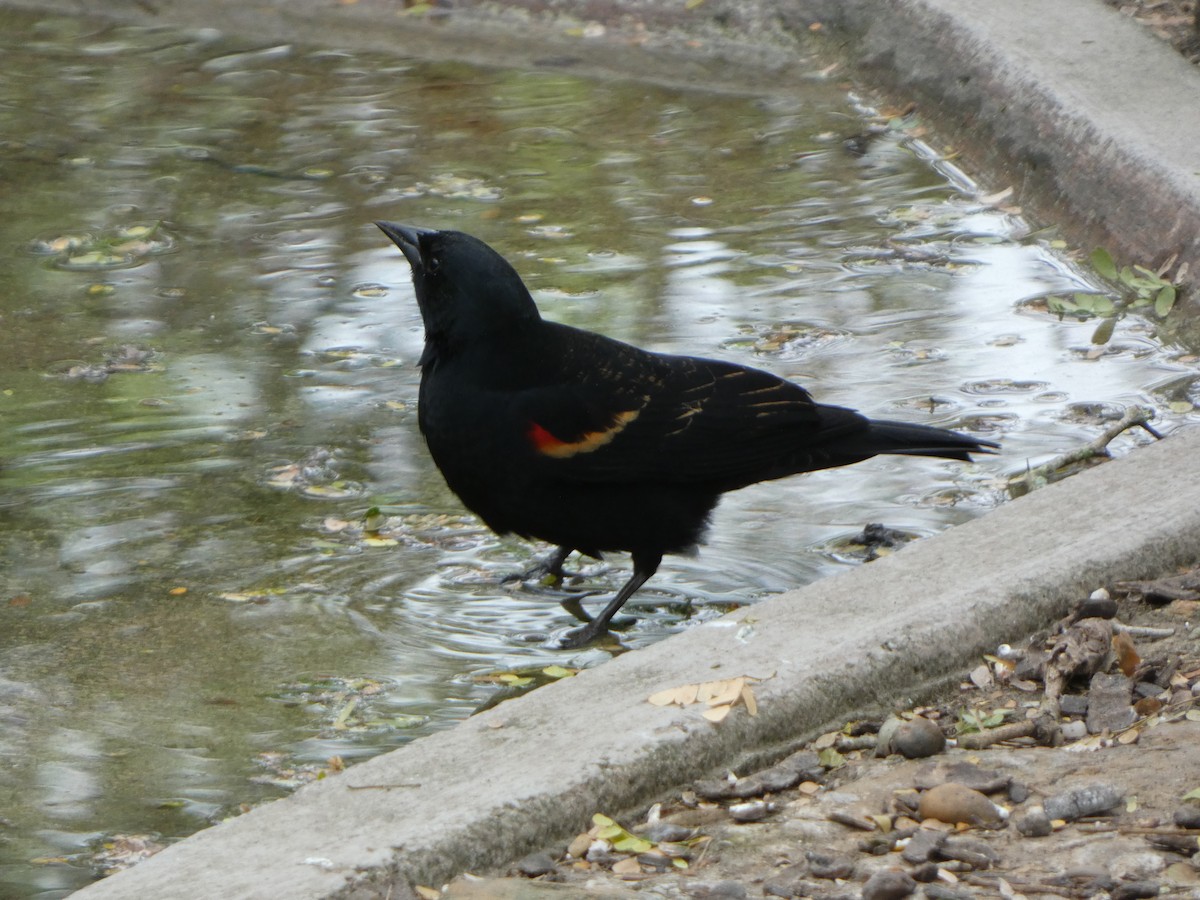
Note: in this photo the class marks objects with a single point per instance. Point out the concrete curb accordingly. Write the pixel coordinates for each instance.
(1094, 121)
(534, 770)
(1084, 106)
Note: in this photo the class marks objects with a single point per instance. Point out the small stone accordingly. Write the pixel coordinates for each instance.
(1099, 605)
(926, 873)
(714, 788)
(888, 884)
(755, 811)
(1073, 704)
(1073, 731)
(719, 890)
(985, 781)
(1187, 814)
(579, 845)
(829, 867)
(955, 803)
(1031, 666)
(536, 864)
(918, 738)
(1033, 822)
(1135, 890)
(922, 846)
(805, 762)
(1109, 706)
(1089, 800)
(975, 853)
(768, 781)
(666, 831)
(943, 892)
(788, 883)
(1018, 792)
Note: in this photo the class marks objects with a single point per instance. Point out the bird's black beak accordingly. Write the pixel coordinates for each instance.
(408, 239)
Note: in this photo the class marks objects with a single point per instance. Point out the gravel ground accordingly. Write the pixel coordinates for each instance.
(1087, 796)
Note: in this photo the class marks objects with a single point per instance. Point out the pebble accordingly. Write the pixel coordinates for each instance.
(1099, 605)
(666, 831)
(789, 883)
(1074, 730)
(536, 864)
(1089, 800)
(1109, 703)
(1034, 822)
(1135, 890)
(888, 884)
(579, 846)
(954, 803)
(1073, 704)
(975, 853)
(1187, 814)
(922, 846)
(822, 865)
(720, 890)
(986, 781)
(755, 811)
(918, 738)
(942, 892)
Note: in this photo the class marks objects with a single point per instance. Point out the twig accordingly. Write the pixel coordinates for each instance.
(1039, 475)
(1012, 731)
(1143, 631)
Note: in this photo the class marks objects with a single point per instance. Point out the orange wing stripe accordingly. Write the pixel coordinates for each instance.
(548, 445)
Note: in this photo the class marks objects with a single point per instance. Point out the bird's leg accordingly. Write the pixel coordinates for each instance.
(644, 565)
(551, 567)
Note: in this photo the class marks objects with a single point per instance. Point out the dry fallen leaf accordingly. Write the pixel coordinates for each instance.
(716, 714)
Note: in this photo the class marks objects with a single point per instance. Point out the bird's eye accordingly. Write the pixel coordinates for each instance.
(433, 264)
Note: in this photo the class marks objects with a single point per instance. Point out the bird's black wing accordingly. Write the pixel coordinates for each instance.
(618, 414)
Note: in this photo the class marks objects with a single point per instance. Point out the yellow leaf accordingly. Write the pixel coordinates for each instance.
(728, 692)
(177, 591)
(663, 698)
(427, 893)
(749, 700)
(716, 714)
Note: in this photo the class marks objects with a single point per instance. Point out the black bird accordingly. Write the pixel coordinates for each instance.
(551, 432)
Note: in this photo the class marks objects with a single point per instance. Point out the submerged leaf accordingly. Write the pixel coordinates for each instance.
(1104, 331)
(1165, 300)
(1103, 263)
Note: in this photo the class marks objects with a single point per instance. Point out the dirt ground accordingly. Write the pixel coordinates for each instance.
(1087, 796)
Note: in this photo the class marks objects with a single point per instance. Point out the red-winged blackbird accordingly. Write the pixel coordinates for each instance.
(550, 432)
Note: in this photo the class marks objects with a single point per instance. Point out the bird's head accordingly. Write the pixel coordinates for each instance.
(465, 289)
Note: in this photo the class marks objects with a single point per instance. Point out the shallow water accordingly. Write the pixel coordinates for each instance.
(209, 376)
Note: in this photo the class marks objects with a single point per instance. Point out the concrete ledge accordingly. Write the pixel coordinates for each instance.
(1082, 111)
(1089, 116)
(533, 770)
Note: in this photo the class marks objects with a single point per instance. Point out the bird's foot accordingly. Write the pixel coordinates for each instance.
(546, 572)
(581, 637)
(574, 605)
